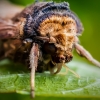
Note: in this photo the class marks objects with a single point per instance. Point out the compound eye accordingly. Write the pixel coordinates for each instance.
(49, 48)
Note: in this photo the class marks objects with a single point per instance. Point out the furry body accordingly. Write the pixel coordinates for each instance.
(52, 20)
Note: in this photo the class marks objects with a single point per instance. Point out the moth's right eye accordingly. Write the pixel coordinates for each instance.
(49, 48)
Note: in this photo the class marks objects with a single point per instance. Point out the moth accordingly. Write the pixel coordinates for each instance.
(43, 37)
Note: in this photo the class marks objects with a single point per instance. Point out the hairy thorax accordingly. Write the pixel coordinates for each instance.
(62, 31)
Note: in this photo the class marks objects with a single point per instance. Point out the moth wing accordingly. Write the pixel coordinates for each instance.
(7, 30)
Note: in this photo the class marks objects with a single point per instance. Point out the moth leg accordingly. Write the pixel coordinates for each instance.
(59, 67)
(68, 69)
(81, 51)
(56, 68)
(64, 73)
(34, 53)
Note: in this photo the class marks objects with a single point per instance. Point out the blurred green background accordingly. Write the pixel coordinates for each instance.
(89, 14)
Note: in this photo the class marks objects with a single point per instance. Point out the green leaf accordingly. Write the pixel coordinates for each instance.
(15, 78)
(46, 84)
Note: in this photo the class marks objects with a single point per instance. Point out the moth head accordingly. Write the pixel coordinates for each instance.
(61, 31)
(57, 25)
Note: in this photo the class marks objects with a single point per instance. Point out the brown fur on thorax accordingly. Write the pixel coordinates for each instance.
(62, 30)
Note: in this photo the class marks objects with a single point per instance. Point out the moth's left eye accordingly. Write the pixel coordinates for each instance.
(49, 48)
